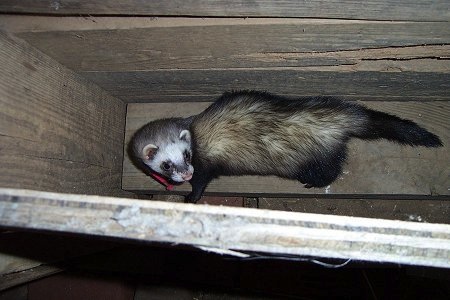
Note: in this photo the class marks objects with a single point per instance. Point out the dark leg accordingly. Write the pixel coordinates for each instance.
(199, 183)
(322, 172)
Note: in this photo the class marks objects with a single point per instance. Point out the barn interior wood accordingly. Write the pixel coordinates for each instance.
(77, 78)
(229, 230)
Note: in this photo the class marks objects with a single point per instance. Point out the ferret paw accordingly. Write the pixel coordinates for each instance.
(308, 185)
(190, 198)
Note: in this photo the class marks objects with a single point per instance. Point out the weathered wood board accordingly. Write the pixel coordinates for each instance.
(418, 210)
(229, 230)
(206, 85)
(373, 167)
(14, 279)
(58, 132)
(427, 10)
(185, 59)
(295, 44)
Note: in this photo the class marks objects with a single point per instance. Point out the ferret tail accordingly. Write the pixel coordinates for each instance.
(385, 126)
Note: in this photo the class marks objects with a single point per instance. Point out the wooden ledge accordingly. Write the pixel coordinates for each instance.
(229, 230)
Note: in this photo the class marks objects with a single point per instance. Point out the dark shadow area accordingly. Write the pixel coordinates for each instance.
(105, 269)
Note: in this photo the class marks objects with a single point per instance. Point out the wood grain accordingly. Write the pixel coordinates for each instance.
(191, 60)
(418, 210)
(374, 168)
(25, 276)
(229, 230)
(437, 10)
(310, 43)
(206, 85)
(58, 131)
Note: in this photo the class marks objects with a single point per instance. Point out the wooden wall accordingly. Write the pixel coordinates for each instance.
(426, 10)
(59, 132)
(194, 50)
(394, 55)
(178, 51)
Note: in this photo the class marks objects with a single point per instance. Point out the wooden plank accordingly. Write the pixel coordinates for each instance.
(225, 201)
(189, 60)
(206, 85)
(309, 43)
(375, 168)
(14, 279)
(59, 132)
(437, 10)
(419, 210)
(224, 228)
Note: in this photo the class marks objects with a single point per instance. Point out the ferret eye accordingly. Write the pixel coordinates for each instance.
(165, 166)
(187, 155)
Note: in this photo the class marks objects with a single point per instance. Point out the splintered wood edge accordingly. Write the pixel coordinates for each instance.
(228, 228)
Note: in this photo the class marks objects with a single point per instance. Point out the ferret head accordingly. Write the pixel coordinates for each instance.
(165, 147)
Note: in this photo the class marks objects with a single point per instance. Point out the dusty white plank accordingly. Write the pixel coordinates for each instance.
(237, 229)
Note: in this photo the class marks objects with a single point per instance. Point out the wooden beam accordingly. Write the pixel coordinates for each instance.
(205, 85)
(419, 210)
(13, 279)
(376, 10)
(59, 132)
(172, 59)
(222, 229)
(375, 168)
(263, 44)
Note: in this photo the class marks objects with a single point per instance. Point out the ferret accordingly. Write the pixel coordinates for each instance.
(258, 133)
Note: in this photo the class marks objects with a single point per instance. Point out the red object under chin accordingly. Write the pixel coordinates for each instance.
(163, 181)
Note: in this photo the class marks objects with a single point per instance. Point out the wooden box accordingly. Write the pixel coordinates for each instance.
(77, 78)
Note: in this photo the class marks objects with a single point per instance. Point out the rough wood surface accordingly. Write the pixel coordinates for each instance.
(373, 167)
(299, 44)
(437, 10)
(224, 228)
(59, 132)
(182, 59)
(14, 279)
(419, 210)
(205, 85)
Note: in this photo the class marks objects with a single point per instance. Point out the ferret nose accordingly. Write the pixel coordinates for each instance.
(186, 176)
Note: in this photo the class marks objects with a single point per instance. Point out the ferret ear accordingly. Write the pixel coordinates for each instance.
(149, 151)
(185, 135)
